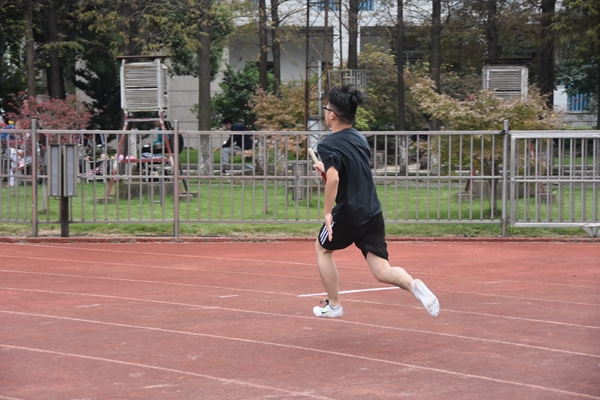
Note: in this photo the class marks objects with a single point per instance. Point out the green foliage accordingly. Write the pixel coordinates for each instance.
(12, 73)
(238, 88)
(480, 112)
(363, 119)
(483, 110)
(382, 103)
(101, 82)
(170, 28)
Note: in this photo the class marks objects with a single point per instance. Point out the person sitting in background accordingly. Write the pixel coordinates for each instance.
(234, 144)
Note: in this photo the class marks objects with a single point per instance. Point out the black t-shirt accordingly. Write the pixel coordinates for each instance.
(244, 141)
(349, 153)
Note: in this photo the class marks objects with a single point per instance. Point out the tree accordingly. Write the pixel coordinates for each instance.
(353, 34)
(578, 25)
(546, 81)
(12, 70)
(436, 50)
(492, 29)
(480, 112)
(276, 45)
(29, 49)
(56, 85)
(282, 112)
(262, 44)
(235, 100)
(59, 114)
(399, 46)
(98, 77)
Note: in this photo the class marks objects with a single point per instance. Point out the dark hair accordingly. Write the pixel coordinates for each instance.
(226, 120)
(345, 101)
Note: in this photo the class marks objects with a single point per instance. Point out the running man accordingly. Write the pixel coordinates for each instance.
(357, 216)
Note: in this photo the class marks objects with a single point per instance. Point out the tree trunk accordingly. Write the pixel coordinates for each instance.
(400, 62)
(436, 63)
(353, 34)
(129, 28)
(547, 51)
(29, 48)
(56, 86)
(204, 150)
(276, 46)
(402, 139)
(263, 45)
(492, 30)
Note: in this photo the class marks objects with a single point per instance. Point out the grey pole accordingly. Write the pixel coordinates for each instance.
(505, 179)
(175, 168)
(34, 170)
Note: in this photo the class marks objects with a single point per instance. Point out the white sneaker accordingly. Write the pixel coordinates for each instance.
(422, 293)
(328, 311)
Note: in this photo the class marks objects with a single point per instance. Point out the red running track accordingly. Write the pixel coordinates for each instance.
(234, 321)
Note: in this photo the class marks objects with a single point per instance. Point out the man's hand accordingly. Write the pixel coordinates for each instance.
(320, 168)
(328, 222)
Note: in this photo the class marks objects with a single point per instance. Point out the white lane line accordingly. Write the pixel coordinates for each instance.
(176, 371)
(350, 291)
(285, 293)
(172, 255)
(289, 294)
(104, 263)
(255, 274)
(151, 282)
(421, 272)
(8, 398)
(362, 324)
(301, 348)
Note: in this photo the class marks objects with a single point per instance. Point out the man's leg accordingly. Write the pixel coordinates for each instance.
(226, 155)
(385, 273)
(329, 274)
(399, 277)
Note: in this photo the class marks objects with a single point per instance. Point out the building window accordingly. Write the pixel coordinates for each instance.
(334, 5)
(578, 102)
(366, 5)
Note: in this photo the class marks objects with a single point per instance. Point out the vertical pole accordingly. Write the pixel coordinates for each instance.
(64, 216)
(505, 179)
(34, 170)
(306, 77)
(175, 168)
(324, 75)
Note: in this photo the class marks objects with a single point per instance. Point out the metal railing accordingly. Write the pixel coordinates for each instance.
(421, 177)
(555, 180)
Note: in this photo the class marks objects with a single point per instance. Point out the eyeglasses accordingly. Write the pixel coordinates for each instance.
(329, 109)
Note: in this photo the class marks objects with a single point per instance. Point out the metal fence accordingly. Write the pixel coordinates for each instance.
(422, 177)
(555, 180)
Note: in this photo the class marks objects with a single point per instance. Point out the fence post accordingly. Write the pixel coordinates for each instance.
(175, 168)
(34, 170)
(505, 178)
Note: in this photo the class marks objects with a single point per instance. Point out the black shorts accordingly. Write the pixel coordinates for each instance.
(369, 237)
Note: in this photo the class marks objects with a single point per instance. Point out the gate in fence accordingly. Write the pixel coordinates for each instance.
(537, 179)
(555, 179)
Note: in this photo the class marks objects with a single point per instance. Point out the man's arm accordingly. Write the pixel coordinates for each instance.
(331, 189)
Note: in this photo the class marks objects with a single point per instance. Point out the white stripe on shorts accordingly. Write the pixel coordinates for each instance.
(325, 234)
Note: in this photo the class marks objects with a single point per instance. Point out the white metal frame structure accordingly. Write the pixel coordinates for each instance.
(143, 88)
(507, 81)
